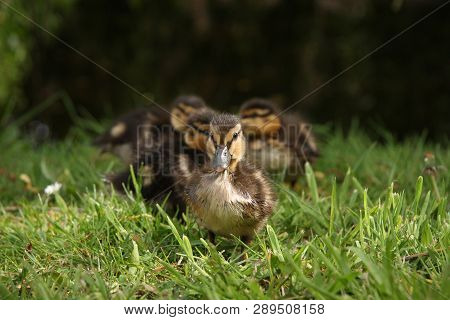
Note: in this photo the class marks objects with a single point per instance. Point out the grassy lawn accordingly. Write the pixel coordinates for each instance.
(368, 221)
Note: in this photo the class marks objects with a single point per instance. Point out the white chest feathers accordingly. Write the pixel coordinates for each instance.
(219, 205)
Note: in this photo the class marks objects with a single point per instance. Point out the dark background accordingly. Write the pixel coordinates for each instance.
(228, 51)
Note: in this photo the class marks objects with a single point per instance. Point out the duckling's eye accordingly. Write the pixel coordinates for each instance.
(235, 135)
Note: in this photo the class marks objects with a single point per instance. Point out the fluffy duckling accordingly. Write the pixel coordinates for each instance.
(122, 138)
(155, 162)
(190, 119)
(153, 167)
(193, 154)
(227, 194)
(276, 142)
(144, 126)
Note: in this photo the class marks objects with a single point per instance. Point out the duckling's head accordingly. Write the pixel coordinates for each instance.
(182, 108)
(197, 133)
(259, 117)
(226, 144)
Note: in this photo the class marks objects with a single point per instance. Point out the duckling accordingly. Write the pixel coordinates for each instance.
(228, 195)
(193, 154)
(163, 159)
(152, 167)
(144, 125)
(155, 162)
(122, 138)
(277, 142)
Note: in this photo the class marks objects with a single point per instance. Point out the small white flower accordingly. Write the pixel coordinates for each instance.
(52, 188)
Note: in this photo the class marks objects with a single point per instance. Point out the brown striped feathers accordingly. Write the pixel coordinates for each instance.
(277, 141)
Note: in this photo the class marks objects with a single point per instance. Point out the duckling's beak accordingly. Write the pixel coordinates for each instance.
(221, 159)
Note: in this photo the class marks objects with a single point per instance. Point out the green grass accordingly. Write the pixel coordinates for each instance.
(348, 231)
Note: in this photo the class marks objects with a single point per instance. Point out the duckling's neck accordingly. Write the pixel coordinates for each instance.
(219, 191)
(227, 174)
(217, 177)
